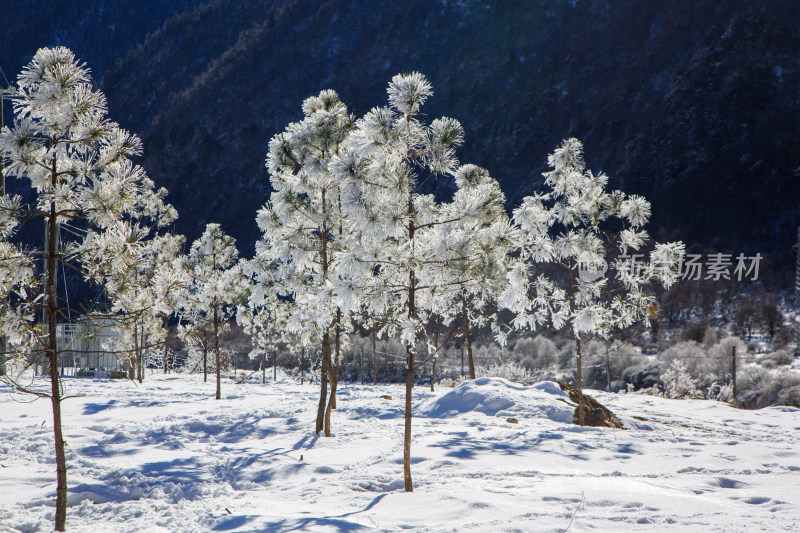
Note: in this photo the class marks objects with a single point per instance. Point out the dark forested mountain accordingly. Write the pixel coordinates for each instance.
(693, 103)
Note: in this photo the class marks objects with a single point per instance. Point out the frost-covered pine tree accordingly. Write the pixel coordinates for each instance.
(302, 230)
(217, 285)
(148, 296)
(78, 164)
(167, 281)
(570, 228)
(265, 324)
(402, 242)
(476, 247)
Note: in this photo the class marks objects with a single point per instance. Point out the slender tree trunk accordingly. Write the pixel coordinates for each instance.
(581, 414)
(361, 364)
(435, 356)
(323, 420)
(323, 381)
(333, 376)
(275, 366)
(327, 406)
(204, 343)
(337, 357)
(467, 337)
(374, 358)
(137, 349)
(166, 345)
(264, 369)
(302, 363)
(55, 380)
(409, 485)
(330, 406)
(463, 347)
(410, 356)
(216, 352)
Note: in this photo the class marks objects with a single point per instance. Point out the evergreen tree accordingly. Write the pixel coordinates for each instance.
(78, 164)
(579, 228)
(217, 286)
(402, 242)
(477, 242)
(148, 296)
(302, 230)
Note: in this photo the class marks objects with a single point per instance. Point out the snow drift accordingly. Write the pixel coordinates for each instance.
(500, 397)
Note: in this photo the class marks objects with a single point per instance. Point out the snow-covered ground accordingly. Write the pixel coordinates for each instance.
(166, 457)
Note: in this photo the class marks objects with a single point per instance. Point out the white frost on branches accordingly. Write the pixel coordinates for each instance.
(568, 226)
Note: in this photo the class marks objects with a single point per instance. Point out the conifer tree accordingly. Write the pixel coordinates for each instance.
(218, 285)
(399, 252)
(579, 227)
(302, 229)
(78, 164)
(148, 296)
(478, 244)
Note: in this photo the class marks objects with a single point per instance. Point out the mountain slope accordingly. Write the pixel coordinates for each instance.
(694, 104)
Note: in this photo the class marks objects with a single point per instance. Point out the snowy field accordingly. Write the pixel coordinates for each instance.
(166, 457)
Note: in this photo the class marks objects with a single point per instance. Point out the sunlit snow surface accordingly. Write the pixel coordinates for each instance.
(166, 457)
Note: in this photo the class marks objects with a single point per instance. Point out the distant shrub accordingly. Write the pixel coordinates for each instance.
(678, 383)
(509, 371)
(536, 353)
(694, 331)
(777, 358)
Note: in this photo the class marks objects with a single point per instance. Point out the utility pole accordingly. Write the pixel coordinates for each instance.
(797, 295)
(3, 344)
(733, 376)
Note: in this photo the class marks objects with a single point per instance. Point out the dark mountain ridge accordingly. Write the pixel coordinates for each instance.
(693, 104)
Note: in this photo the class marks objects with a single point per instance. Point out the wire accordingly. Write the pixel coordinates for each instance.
(8, 83)
(78, 232)
(64, 277)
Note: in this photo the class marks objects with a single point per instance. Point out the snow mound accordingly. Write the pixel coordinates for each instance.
(499, 397)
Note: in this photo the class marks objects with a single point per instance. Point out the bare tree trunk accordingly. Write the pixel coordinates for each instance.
(409, 486)
(216, 351)
(204, 343)
(332, 382)
(330, 407)
(55, 380)
(302, 363)
(264, 369)
(467, 337)
(323, 380)
(166, 345)
(435, 355)
(137, 351)
(374, 358)
(337, 347)
(581, 415)
(323, 421)
(333, 376)
(410, 353)
(275, 366)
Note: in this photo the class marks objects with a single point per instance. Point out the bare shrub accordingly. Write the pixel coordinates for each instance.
(509, 371)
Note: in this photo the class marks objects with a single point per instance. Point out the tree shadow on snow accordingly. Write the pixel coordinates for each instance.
(463, 445)
(94, 408)
(335, 523)
(234, 522)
